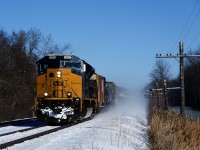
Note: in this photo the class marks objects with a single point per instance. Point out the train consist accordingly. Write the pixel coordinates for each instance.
(68, 89)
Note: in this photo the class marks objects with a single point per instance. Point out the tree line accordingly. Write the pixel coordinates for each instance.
(19, 52)
(161, 72)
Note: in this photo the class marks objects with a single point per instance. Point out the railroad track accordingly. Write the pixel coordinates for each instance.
(21, 140)
(22, 130)
(16, 122)
(22, 125)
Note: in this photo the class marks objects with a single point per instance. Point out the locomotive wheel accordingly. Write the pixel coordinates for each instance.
(70, 119)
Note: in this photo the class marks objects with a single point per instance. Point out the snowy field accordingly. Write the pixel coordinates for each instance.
(123, 127)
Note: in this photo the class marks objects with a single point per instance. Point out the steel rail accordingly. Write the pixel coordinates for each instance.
(15, 122)
(21, 140)
(23, 130)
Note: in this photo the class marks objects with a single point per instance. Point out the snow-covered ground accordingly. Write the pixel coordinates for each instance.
(122, 127)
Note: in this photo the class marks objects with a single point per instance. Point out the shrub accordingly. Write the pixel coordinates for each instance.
(170, 131)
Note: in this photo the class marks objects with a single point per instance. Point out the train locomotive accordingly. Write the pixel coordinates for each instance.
(68, 89)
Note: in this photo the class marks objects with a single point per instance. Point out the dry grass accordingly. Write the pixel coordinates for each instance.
(170, 131)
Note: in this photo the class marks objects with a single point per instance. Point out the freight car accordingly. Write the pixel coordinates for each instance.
(112, 90)
(68, 89)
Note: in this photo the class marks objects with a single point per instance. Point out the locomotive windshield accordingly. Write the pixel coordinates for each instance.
(58, 64)
(60, 61)
(70, 64)
(47, 64)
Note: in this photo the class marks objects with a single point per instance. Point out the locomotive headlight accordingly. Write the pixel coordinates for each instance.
(45, 94)
(59, 74)
(69, 94)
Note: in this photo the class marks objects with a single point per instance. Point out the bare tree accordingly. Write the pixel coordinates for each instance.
(18, 54)
(34, 37)
(160, 72)
(48, 46)
(32, 45)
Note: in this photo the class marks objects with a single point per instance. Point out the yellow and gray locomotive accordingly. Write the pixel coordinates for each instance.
(67, 89)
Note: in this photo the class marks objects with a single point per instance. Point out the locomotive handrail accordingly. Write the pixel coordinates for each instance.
(38, 96)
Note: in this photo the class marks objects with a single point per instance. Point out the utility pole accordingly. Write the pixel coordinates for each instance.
(181, 57)
(182, 110)
(166, 90)
(165, 95)
(158, 99)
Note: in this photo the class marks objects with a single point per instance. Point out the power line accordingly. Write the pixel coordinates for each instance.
(185, 27)
(191, 24)
(192, 41)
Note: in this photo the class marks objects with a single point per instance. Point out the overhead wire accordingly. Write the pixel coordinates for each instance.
(185, 27)
(191, 24)
(194, 39)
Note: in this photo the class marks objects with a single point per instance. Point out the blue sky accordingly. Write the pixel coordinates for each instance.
(119, 38)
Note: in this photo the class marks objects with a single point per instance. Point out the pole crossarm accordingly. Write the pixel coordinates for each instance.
(192, 55)
(174, 88)
(175, 56)
(152, 90)
(167, 56)
(161, 89)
